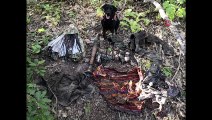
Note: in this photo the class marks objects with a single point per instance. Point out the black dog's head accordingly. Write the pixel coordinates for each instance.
(109, 10)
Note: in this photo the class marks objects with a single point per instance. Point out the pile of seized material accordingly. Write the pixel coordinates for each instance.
(128, 91)
(143, 85)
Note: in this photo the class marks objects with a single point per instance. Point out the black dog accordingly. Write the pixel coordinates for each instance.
(110, 20)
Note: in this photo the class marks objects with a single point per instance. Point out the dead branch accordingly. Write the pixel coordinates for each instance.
(172, 28)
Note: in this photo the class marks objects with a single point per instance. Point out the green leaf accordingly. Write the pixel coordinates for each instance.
(31, 91)
(40, 42)
(122, 23)
(137, 19)
(167, 71)
(32, 64)
(126, 19)
(127, 11)
(29, 60)
(47, 17)
(109, 49)
(47, 113)
(165, 4)
(31, 85)
(29, 108)
(99, 12)
(131, 14)
(41, 30)
(180, 12)
(43, 106)
(146, 21)
(35, 50)
(41, 62)
(181, 1)
(43, 93)
(71, 14)
(46, 100)
(41, 74)
(158, 17)
(171, 12)
(142, 14)
(38, 95)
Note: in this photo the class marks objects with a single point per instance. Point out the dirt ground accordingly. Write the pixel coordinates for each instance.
(93, 106)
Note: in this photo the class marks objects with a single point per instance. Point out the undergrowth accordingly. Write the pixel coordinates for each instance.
(38, 105)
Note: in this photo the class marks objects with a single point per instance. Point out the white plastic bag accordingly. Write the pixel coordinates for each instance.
(58, 46)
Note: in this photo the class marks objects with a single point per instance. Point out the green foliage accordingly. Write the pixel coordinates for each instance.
(95, 2)
(181, 1)
(180, 12)
(41, 30)
(36, 48)
(167, 71)
(99, 12)
(158, 17)
(131, 19)
(37, 45)
(174, 9)
(44, 40)
(35, 67)
(37, 104)
(146, 21)
(117, 3)
(51, 12)
(72, 14)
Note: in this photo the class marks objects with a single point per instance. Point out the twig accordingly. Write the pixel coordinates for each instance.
(55, 100)
(177, 67)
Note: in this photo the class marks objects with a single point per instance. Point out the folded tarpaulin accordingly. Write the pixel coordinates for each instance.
(68, 43)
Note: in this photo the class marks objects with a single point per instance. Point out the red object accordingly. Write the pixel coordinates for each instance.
(167, 23)
(114, 87)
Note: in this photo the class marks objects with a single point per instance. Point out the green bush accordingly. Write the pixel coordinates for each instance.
(131, 20)
(37, 104)
(174, 9)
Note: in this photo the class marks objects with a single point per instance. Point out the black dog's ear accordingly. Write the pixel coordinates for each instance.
(114, 8)
(104, 7)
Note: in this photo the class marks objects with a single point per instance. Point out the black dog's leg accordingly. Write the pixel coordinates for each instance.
(103, 29)
(104, 33)
(117, 26)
